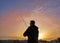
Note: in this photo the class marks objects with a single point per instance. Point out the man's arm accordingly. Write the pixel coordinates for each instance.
(26, 32)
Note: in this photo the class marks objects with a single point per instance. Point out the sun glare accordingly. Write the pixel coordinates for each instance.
(40, 36)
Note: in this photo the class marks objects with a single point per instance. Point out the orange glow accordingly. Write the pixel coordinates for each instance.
(13, 25)
(41, 36)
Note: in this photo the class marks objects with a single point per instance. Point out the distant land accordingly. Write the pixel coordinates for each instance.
(25, 41)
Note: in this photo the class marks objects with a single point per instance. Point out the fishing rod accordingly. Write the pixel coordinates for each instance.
(24, 23)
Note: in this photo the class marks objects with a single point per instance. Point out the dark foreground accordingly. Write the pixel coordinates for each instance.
(25, 41)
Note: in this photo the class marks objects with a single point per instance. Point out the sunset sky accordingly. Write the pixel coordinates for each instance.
(15, 16)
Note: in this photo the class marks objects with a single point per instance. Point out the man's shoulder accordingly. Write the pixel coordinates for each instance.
(33, 26)
(29, 27)
(36, 27)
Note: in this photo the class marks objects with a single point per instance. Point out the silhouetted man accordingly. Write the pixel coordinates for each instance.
(32, 33)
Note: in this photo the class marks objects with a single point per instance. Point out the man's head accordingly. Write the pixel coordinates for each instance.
(32, 22)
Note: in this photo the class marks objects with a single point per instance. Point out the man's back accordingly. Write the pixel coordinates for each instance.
(33, 32)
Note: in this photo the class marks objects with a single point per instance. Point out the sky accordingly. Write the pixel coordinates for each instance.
(15, 16)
